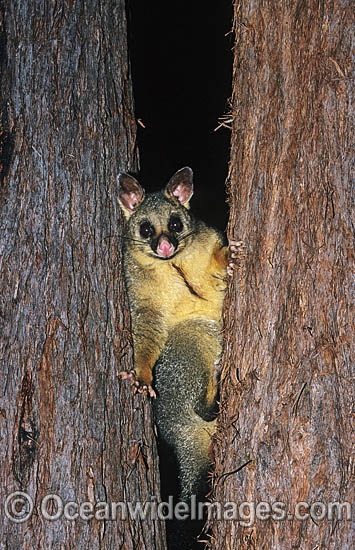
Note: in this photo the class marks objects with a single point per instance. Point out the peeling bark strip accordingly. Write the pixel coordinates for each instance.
(68, 424)
(24, 451)
(286, 389)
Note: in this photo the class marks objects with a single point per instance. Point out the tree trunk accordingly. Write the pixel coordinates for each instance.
(69, 427)
(284, 430)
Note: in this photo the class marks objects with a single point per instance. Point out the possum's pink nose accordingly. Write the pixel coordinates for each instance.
(165, 247)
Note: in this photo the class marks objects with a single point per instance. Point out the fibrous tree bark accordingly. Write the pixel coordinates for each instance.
(69, 427)
(284, 432)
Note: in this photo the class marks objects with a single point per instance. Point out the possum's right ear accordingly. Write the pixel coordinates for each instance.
(130, 193)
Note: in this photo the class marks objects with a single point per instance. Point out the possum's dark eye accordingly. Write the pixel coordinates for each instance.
(146, 230)
(175, 224)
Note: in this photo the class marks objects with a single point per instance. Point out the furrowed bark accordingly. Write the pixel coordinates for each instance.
(286, 394)
(68, 425)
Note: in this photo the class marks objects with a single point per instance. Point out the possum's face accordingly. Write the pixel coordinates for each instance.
(159, 225)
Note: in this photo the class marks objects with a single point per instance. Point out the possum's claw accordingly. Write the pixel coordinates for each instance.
(237, 255)
(144, 389)
(137, 386)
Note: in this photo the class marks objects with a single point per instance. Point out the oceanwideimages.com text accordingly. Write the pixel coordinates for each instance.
(19, 507)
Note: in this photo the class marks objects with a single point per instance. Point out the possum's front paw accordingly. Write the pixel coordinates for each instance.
(237, 254)
(138, 385)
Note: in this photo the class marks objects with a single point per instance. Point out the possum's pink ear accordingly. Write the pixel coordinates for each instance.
(130, 193)
(180, 186)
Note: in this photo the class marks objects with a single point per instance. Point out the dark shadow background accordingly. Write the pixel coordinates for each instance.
(181, 63)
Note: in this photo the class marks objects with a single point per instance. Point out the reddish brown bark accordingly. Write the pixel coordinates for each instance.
(286, 395)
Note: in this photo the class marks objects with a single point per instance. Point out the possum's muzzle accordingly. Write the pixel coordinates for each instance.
(164, 246)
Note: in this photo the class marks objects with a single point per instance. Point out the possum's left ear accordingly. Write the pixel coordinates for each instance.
(130, 193)
(181, 186)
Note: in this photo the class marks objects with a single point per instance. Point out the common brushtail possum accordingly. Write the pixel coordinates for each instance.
(176, 270)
